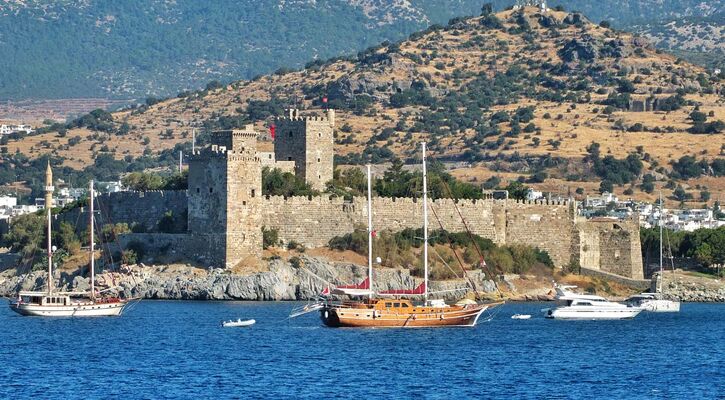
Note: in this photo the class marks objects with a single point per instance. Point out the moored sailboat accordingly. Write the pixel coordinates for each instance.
(394, 308)
(54, 303)
(655, 302)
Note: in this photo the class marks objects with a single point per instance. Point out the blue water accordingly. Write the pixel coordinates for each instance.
(163, 349)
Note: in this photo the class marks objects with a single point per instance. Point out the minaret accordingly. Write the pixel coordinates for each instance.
(49, 207)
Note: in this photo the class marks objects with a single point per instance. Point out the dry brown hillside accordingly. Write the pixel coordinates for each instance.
(513, 93)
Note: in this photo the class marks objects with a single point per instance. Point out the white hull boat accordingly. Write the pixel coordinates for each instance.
(586, 313)
(651, 303)
(238, 323)
(521, 316)
(40, 304)
(577, 306)
(53, 303)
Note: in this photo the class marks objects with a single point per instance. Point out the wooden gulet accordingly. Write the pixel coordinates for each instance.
(393, 308)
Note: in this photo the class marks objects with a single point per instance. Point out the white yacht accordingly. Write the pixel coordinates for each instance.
(586, 306)
(53, 303)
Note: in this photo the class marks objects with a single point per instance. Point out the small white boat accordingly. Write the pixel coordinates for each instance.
(238, 322)
(520, 316)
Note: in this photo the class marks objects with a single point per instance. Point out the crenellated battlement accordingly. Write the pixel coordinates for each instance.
(293, 115)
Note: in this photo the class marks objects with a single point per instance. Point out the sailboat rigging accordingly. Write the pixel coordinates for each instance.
(54, 303)
(655, 302)
(393, 308)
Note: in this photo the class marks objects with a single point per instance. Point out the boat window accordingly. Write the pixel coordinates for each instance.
(405, 305)
(396, 304)
(388, 305)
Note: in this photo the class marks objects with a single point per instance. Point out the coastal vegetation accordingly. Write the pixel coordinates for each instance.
(705, 246)
(402, 249)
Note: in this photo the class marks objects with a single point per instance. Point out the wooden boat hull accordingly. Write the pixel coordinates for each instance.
(461, 316)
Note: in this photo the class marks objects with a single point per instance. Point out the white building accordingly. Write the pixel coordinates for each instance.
(602, 200)
(8, 201)
(532, 194)
(109, 187)
(8, 129)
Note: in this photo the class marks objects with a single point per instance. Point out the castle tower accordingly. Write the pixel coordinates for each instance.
(308, 141)
(225, 190)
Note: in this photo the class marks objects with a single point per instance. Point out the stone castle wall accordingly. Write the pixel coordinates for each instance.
(607, 246)
(611, 246)
(134, 208)
(313, 221)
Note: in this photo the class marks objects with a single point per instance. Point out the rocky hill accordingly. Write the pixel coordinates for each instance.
(700, 39)
(552, 97)
(125, 50)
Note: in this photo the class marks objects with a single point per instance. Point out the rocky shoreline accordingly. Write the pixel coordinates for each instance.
(306, 278)
(694, 290)
(283, 281)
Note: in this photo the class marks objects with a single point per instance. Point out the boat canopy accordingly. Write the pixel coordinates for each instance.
(417, 291)
(360, 289)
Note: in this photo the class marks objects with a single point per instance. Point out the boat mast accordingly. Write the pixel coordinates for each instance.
(49, 208)
(425, 227)
(92, 246)
(659, 289)
(370, 235)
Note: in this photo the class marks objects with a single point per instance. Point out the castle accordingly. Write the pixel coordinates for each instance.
(224, 210)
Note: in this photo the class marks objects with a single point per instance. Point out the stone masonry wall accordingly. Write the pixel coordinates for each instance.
(143, 208)
(314, 221)
(611, 246)
(549, 227)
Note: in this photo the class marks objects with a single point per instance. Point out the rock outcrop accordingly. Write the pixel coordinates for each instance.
(283, 281)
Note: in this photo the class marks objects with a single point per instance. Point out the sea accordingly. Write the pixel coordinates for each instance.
(178, 349)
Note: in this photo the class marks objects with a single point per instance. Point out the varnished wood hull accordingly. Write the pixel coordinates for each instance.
(462, 316)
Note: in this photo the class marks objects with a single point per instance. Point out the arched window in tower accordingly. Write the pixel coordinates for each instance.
(252, 192)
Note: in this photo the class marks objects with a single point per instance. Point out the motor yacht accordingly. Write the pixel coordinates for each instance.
(588, 307)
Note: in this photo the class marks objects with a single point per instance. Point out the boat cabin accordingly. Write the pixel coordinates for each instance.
(44, 299)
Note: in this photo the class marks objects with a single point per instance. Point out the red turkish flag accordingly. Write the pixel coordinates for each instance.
(272, 129)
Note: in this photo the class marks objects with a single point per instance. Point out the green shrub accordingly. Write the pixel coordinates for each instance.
(270, 237)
